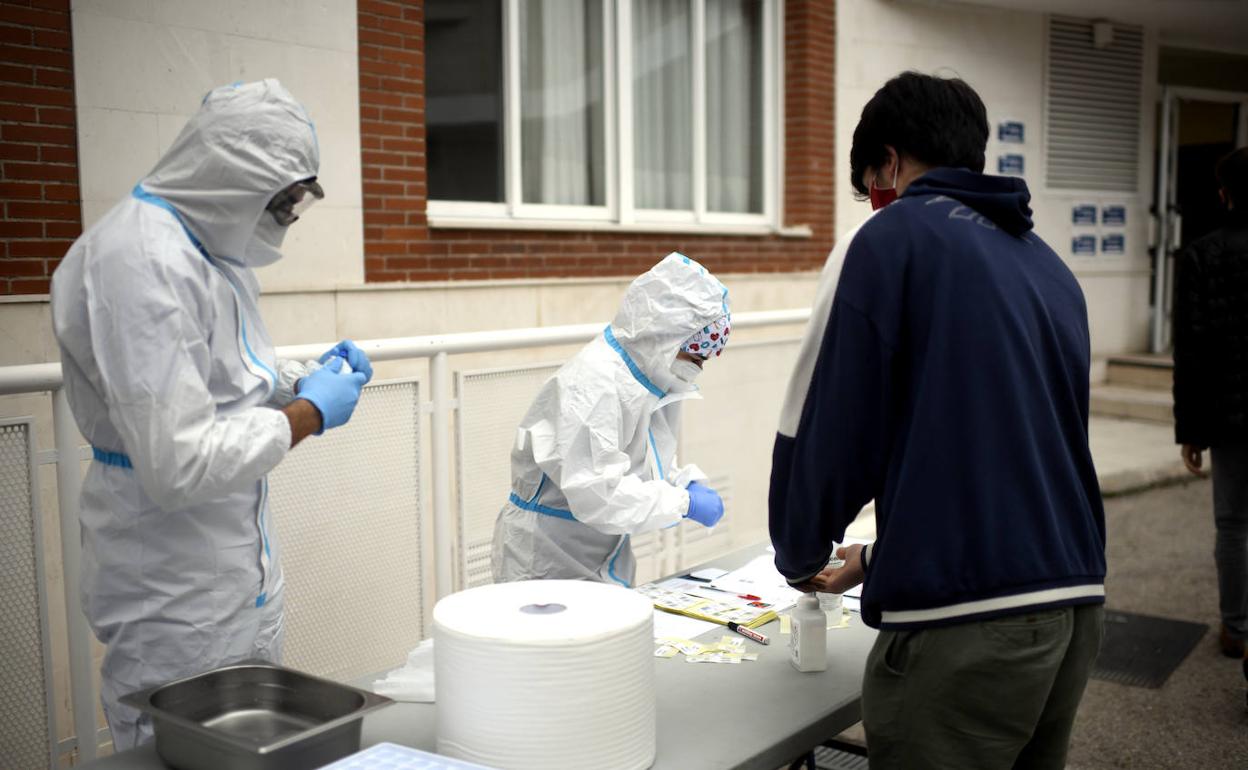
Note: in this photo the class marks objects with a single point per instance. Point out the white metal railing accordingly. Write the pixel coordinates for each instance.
(39, 378)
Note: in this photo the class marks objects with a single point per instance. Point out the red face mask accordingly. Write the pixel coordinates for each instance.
(881, 198)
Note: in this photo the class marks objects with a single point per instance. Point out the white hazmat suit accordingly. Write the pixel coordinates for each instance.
(595, 456)
(172, 378)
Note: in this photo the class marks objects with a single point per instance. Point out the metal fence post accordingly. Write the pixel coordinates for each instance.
(443, 521)
(68, 488)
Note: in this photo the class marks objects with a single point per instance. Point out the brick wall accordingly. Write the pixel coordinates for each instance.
(38, 143)
(400, 246)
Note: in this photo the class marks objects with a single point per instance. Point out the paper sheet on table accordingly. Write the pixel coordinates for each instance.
(680, 626)
(760, 578)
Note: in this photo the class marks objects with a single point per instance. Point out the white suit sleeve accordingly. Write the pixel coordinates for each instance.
(149, 341)
(580, 451)
(288, 375)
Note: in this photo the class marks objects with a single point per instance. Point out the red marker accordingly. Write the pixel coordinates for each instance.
(748, 633)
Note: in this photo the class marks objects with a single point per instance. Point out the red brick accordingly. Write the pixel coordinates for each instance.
(16, 210)
(36, 95)
(52, 39)
(27, 17)
(40, 171)
(30, 286)
(63, 229)
(17, 113)
(39, 134)
(20, 229)
(51, 154)
(56, 116)
(50, 77)
(21, 191)
(379, 38)
(23, 267)
(39, 248)
(394, 10)
(12, 73)
(52, 5)
(18, 152)
(17, 35)
(61, 192)
(43, 57)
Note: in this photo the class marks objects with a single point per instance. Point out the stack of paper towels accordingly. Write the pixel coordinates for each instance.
(546, 675)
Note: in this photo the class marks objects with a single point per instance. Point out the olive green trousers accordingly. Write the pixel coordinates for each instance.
(992, 694)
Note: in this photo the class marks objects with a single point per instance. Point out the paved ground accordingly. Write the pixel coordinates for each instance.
(1161, 563)
(1160, 552)
(1132, 455)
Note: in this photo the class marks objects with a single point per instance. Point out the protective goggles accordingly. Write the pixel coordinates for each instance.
(289, 204)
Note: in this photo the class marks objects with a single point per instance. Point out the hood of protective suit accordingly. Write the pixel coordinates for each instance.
(247, 142)
(661, 309)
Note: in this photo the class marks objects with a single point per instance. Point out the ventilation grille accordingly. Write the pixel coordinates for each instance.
(1094, 107)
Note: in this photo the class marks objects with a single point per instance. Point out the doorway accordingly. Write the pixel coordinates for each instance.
(1198, 127)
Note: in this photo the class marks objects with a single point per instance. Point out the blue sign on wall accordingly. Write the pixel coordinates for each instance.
(1114, 216)
(1011, 131)
(1114, 243)
(1010, 165)
(1083, 245)
(1083, 214)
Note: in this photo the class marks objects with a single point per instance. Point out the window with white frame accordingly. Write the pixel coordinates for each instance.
(611, 113)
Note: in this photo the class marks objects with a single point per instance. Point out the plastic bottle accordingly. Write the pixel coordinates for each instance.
(808, 637)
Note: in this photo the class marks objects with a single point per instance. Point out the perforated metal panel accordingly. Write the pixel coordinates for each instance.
(25, 687)
(1094, 106)
(347, 512)
(491, 404)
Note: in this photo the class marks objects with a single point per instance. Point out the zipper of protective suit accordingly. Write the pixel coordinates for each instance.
(265, 555)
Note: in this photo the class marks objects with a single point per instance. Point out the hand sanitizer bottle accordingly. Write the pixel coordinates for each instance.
(808, 637)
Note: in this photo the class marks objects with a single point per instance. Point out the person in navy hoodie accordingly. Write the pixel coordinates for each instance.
(945, 375)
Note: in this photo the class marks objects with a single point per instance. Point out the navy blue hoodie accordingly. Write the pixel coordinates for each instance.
(945, 375)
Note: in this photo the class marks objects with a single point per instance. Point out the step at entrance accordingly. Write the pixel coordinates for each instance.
(1136, 388)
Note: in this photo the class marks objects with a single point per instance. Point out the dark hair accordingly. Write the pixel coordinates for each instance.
(1232, 174)
(936, 121)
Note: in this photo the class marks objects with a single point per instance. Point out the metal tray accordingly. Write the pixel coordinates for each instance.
(255, 716)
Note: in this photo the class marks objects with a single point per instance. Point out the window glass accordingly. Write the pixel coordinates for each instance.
(662, 104)
(464, 99)
(561, 102)
(734, 106)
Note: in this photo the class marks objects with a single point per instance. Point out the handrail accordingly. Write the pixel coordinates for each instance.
(48, 377)
(37, 378)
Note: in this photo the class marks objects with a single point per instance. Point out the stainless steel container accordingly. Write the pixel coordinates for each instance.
(255, 716)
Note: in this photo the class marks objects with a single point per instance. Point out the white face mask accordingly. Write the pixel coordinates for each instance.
(265, 245)
(685, 371)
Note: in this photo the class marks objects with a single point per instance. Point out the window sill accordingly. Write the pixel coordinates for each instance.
(454, 222)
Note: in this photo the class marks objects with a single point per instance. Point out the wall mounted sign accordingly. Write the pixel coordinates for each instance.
(1083, 245)
(1010, 165)
(1114, 243)
(1114, 216)
(1083, 214)
(1011, 131)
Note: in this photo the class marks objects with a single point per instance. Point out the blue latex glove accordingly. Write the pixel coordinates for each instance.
(334, 395)
(705, 505)
(355, 358)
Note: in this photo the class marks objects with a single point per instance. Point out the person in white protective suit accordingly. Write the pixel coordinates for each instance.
(172, 378)
(595, 456)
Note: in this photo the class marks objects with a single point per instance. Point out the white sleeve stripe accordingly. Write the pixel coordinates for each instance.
(812, 339)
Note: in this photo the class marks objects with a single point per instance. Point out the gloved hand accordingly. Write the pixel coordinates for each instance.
(705, 505)
(355, 358)
(333, 394)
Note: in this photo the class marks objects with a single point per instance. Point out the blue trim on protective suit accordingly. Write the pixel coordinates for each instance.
(523, 504)
(628, 361)
(657, 461)
(261, 599)
(115, 459)
(159, 202)
(611, 565)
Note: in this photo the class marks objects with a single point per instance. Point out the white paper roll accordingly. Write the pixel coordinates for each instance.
(546, 675)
